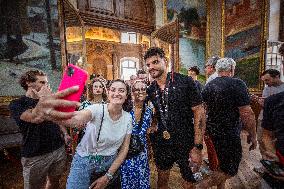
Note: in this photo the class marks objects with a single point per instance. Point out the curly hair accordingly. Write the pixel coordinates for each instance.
(225, 64)
(127, 105)
(91, 94)
(154, 51)
(195, 69)
(30, 76)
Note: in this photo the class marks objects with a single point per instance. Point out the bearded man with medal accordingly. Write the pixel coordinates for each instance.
(178, 137)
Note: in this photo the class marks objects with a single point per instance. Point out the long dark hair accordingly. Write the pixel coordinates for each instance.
(91, 94)
(127, 105)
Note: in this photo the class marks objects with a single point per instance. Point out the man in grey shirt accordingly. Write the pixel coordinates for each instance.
(274, 85)
(210, 70)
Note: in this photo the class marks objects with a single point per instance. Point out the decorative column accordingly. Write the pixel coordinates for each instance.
(109, 72)
(215, 28)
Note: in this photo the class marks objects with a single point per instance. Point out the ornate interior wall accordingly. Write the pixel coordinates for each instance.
(103, 57)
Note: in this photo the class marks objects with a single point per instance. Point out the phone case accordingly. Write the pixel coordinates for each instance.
(73, 76)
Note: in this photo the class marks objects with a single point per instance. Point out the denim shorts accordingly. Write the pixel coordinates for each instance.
(83, 167)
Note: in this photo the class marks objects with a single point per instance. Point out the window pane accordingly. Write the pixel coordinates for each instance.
(132, 38)
(124, 37)
(131, 64)
(127, 72)
(124, 64)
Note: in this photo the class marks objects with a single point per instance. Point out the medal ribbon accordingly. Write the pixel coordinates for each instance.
(163, 105)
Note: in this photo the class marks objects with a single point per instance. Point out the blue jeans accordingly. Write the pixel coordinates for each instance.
(82, 169)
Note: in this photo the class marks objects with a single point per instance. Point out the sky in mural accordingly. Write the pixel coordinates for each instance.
(192, 18)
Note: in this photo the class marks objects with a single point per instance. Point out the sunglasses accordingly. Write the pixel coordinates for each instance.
(143, 89)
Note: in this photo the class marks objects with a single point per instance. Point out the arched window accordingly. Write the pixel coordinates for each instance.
(128, 68)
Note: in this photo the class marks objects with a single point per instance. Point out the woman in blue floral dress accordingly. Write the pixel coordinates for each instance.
(135, 172)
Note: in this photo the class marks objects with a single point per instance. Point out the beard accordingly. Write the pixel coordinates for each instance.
(156, 74)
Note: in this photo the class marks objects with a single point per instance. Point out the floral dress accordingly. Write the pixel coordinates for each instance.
(135, 172)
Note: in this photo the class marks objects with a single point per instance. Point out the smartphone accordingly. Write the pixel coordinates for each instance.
(73, 75)
(273, 167)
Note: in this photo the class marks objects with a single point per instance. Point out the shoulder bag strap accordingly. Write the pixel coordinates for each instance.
(100, 128)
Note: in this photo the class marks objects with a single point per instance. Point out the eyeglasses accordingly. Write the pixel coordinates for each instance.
(143, 89)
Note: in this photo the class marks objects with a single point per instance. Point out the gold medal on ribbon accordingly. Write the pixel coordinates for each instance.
(166, 135)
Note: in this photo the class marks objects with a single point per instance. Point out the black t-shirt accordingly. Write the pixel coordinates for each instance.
(199, 85)
(38, 139)
(183, 95)
(273, 118)
(223, 96)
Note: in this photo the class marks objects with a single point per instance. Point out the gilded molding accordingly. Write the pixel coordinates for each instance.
(264, 36)
(165, 15)
(208, 13)
(4, 100)
(223, 17)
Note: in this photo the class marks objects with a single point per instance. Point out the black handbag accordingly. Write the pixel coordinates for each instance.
(136, 146)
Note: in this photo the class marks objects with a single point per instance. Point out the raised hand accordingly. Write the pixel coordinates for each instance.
(46, 107)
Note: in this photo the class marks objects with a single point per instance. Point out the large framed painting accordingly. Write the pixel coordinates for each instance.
(191, 15)
(244, 38)
(29, 39)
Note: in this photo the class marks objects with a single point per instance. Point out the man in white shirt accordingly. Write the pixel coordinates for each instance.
(210, 70)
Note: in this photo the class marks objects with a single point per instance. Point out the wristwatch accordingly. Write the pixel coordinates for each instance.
(198, 146)
(109, 175)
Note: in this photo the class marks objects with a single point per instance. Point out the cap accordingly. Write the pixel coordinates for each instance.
(212, 61)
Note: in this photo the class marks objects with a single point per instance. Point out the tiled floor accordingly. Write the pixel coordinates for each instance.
(245, 179)
(11, 176)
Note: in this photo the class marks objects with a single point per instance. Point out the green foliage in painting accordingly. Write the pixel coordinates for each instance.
(248, 70)
(200, 78)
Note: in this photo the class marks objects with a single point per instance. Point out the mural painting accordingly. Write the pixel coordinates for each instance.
(192, 19)
(29, 39)
(243, 27)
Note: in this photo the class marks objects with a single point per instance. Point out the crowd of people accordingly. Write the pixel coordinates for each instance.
(176, 111)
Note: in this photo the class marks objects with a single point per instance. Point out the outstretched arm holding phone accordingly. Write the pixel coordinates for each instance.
(46, 107)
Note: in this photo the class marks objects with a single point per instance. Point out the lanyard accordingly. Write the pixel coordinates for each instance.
(163, 106)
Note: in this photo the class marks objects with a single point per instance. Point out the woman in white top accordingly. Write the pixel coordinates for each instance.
(105, 143)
